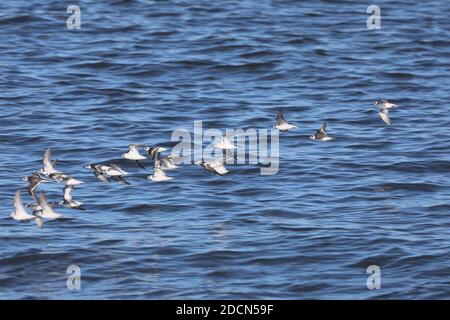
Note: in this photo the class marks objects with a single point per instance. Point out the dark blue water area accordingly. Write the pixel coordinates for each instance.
(137, 70)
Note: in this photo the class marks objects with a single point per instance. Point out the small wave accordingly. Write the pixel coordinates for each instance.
(245, 67)
(21, 19)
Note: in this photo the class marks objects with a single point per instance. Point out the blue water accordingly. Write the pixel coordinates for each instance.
(137, 70)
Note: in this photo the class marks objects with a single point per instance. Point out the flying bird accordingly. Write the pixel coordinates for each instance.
(281, 123)
(20, 214)
(98, 172)
(134, 155)
(216, 166)
(107, 172)
(68, 201)
(383, 110)
(49, 167)
(159, 175)
(33, 182)
(47, 211)
(321, 134)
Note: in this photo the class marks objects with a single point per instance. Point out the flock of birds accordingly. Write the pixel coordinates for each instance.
(43, 209)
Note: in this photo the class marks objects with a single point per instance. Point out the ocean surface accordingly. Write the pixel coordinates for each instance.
(137, 70)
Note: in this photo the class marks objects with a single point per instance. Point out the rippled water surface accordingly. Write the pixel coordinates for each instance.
(137, 70)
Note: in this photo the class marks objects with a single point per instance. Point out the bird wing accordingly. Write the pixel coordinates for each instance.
(320, 134)
(139, 164)
(68, 193)
(280, 117)
(165, 162)
(159, 173)
(39, 175)
(221, 170)
(155, 151)
(101, 176)
(33, 184)
(116, 167)
(389, 105)
(134, 147)
(324, 128)
(72, 181)
(18, 204)
(216, 163)
(384, 114)
(121, 179)
(43, 202)
(102, 168)
(168, 161)
(48, 165)
(216, 166)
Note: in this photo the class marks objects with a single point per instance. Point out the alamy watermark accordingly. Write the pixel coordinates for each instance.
(374, 20)
(74, 277)
(374, 280)
(73, 22)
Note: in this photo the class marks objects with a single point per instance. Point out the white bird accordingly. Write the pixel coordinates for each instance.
(20, 214)
(47, 210)
(216, 166)
(384, 106)
(159, 175)
(281, 123)
(49, 167)
(224, 143)
(98, 172)
(68, 200)
(321, 134)
(134, 155)
(48, 163)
